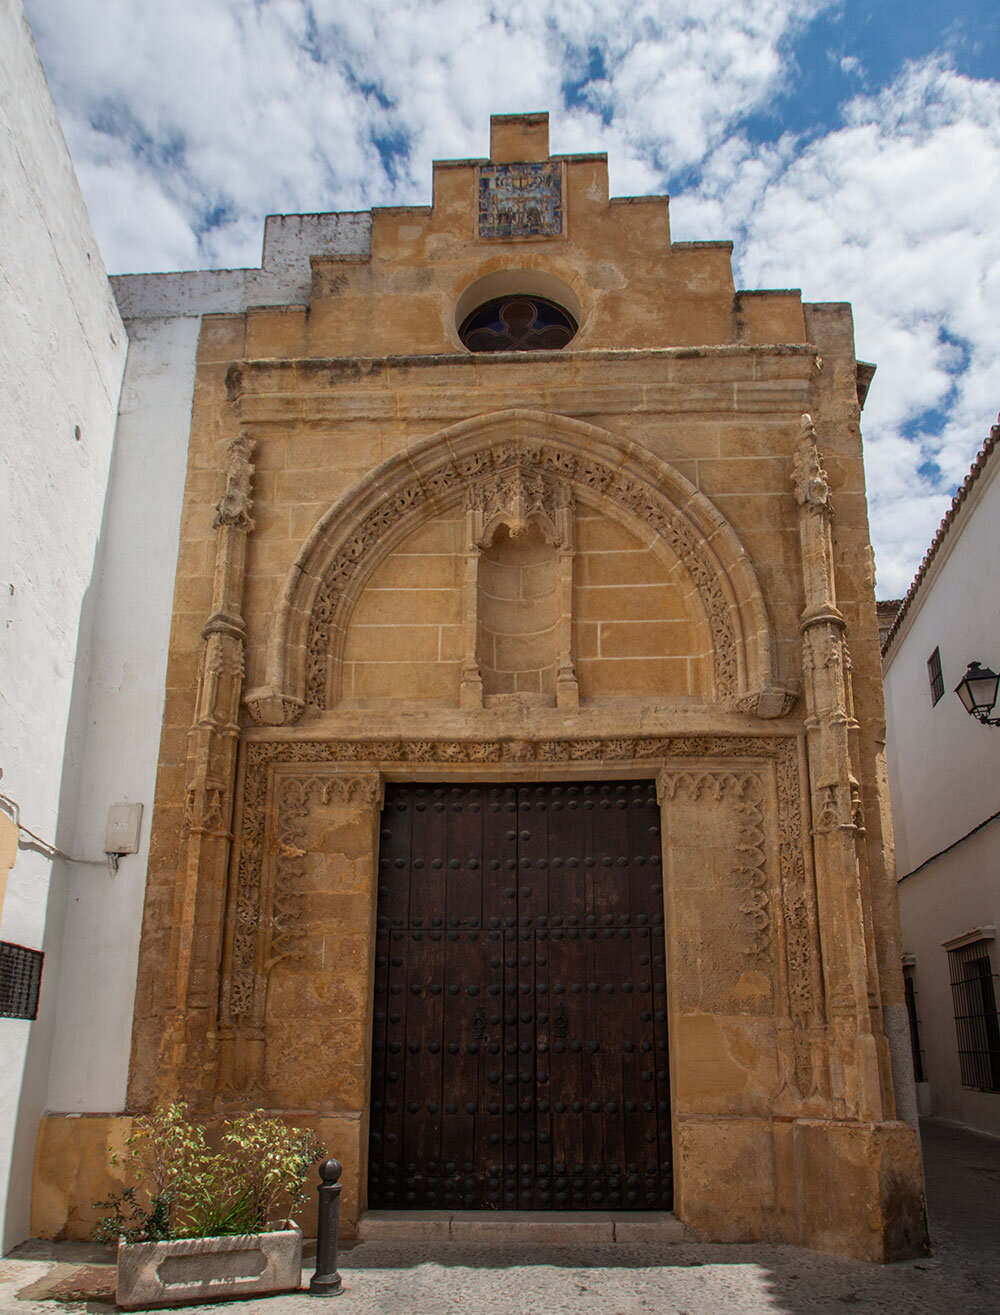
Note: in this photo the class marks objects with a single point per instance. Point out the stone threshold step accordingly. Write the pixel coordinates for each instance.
(520, 1227)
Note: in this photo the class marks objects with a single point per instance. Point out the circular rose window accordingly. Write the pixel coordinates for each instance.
(517, 324)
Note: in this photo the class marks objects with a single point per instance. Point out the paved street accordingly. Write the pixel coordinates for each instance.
(963, 1274)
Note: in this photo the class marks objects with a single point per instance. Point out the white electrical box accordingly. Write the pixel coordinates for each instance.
(124, 821)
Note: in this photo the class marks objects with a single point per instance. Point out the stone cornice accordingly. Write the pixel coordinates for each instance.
(250, 377)
(376, 738)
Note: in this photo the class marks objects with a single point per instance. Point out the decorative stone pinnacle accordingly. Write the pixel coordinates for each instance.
(234, 506)
(809, 479)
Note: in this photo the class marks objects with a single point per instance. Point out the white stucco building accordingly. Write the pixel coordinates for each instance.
(62, 351)
(946, 805)
(93, 453)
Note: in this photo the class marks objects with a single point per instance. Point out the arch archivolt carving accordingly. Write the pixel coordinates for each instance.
(518, 467)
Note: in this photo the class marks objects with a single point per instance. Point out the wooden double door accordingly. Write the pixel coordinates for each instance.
(520, 1019)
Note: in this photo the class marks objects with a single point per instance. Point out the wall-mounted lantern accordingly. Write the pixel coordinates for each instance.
(978, 691)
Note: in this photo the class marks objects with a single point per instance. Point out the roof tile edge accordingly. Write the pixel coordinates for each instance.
(950, 516)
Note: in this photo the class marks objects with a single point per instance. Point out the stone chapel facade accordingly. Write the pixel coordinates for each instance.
(521, 817)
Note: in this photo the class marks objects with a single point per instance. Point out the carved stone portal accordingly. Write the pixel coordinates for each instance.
(302, 894)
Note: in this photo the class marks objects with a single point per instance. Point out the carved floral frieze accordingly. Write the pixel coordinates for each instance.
(744, 791)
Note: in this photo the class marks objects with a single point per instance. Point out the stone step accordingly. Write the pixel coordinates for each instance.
(520, 1227)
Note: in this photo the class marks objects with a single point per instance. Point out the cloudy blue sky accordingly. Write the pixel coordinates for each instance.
(851, 149)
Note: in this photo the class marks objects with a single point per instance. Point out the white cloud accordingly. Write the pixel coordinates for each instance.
(130, 211)
(234, 109)
(190, 120)
(894, 212)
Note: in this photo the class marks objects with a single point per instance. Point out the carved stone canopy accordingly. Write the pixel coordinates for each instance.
(234, 507)
(520, 496)
(525, 465)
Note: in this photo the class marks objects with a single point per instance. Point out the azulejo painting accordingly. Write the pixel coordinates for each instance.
(521, 200)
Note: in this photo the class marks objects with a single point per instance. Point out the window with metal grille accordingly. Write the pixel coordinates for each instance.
(20, 977)
(935, 677)
(976, 1023)
(909, 987)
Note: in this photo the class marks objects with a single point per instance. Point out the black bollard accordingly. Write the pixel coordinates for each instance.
(326, 1281)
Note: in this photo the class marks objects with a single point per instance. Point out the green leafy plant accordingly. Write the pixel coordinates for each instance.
(179, 1185)
(271, 1161)
(132, 1220)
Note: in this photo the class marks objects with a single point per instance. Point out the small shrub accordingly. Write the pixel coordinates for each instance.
(179, 1186)
(270, 1162)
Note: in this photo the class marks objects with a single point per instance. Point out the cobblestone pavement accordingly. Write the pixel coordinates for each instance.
(962, 1275)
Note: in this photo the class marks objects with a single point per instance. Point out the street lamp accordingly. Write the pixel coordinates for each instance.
(978, 691)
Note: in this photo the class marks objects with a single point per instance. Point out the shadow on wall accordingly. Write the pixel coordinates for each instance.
(33, 1098)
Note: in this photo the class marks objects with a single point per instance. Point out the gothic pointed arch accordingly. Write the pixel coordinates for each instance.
(559, 455)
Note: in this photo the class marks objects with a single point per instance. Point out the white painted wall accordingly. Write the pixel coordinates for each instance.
(944, 781)
(943, 763)
(959, 892)
(113, 748)
(88, 549)
(62, 350)
(284, 278)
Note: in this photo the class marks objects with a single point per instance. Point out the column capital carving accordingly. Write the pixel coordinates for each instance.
(269, 707)
(823, 615)
(774, 701)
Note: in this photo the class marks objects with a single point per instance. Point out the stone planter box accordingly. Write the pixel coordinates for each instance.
(200, 1269)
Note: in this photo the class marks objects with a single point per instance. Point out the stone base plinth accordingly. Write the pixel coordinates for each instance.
(854, 1189)
(521, 1227)
(73, 1170)
(851, 1188)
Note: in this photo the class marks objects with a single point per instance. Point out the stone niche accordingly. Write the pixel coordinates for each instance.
(521, 601)
(519, 590)
(517, 615)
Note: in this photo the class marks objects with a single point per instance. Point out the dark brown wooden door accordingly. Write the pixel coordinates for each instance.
(520, 1039)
